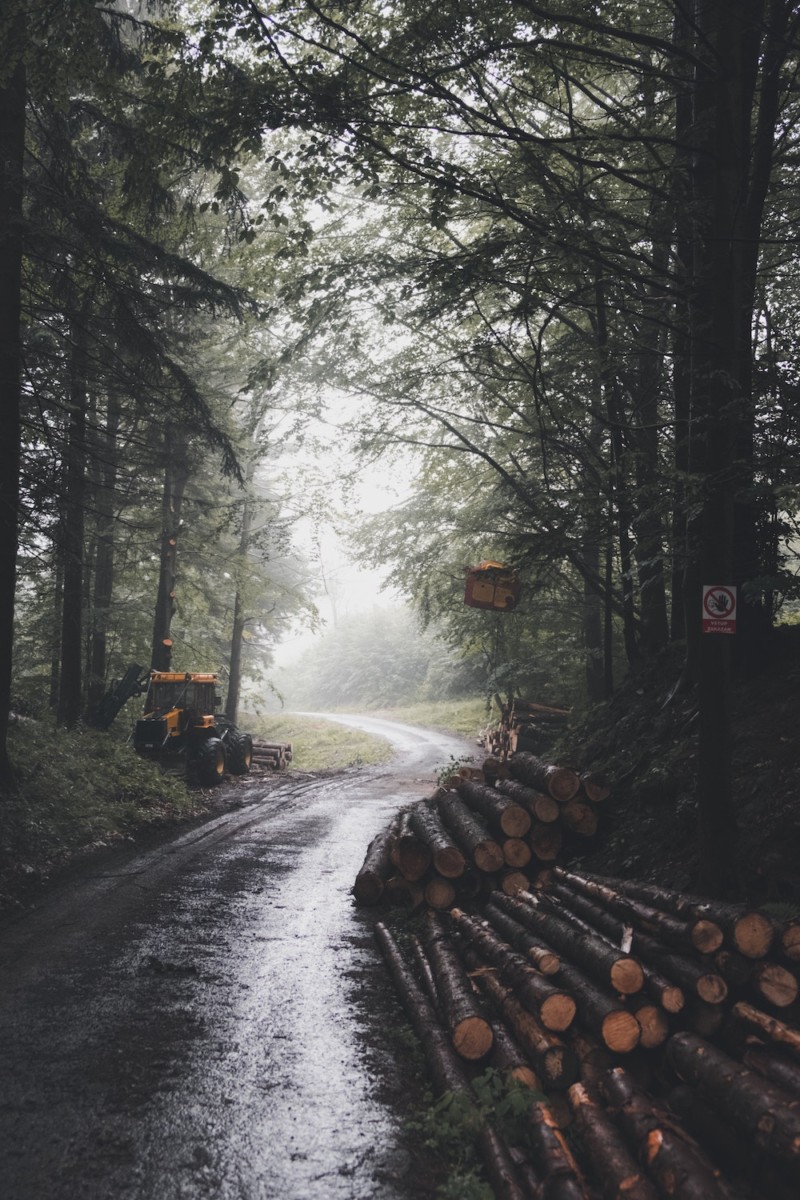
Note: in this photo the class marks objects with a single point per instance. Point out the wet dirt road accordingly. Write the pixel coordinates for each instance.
(205, 1019)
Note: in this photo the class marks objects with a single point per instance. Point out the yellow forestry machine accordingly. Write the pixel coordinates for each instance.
(180, 725)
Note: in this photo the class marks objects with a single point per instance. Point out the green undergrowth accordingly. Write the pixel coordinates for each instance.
(464, 718)
(77, 791)
(318, 744)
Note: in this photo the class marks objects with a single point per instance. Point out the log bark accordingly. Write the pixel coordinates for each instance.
(546, 961)
(561, 783)
(500, 810)
(507, 1055)
(613, 1165)
(600, 1012)
(543, 808)
(775, 1067)
(777, 1031)
(552, 1006)
(723, 1144)
(696, 934)
(377, 867)
(446, 1069)
(661, 990)
(553, 1159)
(469, 1030)
(554, 1064)
(424, 973)
(445, 855)
(692, 976)
(706, 1020)
(409, 853)
(581, 946)
(673, 1160)
(469, 834)
(747, 930)
(758, 1109)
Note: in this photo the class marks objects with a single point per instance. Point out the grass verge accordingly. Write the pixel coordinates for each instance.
(318, 744)
(462, 717)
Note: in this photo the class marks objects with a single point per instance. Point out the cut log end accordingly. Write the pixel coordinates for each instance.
(620, 1031)
(672, 999)
(449, 862)
(488, 857)
(753, 935)
(654, 1024)
(775, 984)
(514, 882)
(472, 1038)
(712, 988)
(368, 888)
(545, 961)
(706, 936)
(557, 1012)
(790, 941)
(627, 976)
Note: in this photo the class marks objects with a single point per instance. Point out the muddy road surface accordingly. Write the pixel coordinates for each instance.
(207, 1018)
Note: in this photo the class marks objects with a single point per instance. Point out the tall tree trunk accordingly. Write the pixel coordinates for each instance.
(70, 696)
(621, 495)
(648, 523)
(762, 65)
(685, 577)
(239, 613)
(593, 599)
(12, 146)
(717, 401)
(235, 667)
(176, 476)
(104, 558)
(57, 601)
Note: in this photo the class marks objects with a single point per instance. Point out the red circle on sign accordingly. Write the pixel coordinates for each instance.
(716, 612)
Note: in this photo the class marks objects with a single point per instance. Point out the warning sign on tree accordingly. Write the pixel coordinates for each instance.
(719, 609)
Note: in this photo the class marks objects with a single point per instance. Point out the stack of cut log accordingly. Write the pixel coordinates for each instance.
(658, 1031)
(524, 725)
(502, 827)
(271, 756)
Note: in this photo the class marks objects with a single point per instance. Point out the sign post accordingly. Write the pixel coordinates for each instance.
(719, 608)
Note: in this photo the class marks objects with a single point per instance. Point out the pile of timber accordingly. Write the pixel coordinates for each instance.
(524, 725)
(502, 827)
(271, 756)
(659, 1033)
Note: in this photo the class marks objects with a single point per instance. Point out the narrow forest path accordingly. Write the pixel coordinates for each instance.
(205, 1019)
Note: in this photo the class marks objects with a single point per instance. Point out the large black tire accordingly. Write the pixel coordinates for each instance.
(240, 752)
(210, 762)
